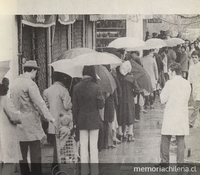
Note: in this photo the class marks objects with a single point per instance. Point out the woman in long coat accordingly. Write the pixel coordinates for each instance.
(184, 61)
(126, 115)
(149, 64)
(9, 143)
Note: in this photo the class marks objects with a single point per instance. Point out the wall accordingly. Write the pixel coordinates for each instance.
(9, 44)
(134, 26)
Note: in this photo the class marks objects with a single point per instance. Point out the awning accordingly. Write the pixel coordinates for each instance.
(39, 20)
(107, 17)
(67, 19)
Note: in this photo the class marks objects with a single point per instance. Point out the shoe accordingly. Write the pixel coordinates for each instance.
(119, 137)
(190, 126)
(137, 120)
(130, 138)
(143, 110)
(117, 142)
(113, 146)
(151, 107)
(164, 165)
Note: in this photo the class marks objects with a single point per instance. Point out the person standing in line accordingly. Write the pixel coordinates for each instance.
(10, 118)
(87, 100)
(194, 79)
(149, 64)
(171, 55)
(58, 100)
(175, 119)
(27, 99)
(184, 62)
(192, 49)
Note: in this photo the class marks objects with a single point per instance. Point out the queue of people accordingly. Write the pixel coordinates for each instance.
(100, 120)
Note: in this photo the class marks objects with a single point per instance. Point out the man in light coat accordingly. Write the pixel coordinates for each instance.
(27, 99)
(58, 100)
(175, 94)
(194, 79)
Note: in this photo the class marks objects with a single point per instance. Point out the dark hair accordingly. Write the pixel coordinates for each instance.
(29, 69)
(90, 71)
(183, 47)
(5, 81)
(196, 52)
(121, 51)
(146, 52)
(62, 78)
(136, 52)
(176, 67)
(3, 89)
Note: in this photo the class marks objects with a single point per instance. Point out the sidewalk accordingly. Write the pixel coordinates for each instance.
(145, 148)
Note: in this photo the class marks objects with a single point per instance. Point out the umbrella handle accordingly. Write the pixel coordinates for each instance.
(70, 85)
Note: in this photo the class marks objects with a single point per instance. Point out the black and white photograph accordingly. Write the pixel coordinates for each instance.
(105, 88)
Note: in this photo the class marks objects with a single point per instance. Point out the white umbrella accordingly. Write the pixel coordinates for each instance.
(154, 43)
(97, 58)
(171, 42)
(68, 67)
(74, 67)
(126, 43)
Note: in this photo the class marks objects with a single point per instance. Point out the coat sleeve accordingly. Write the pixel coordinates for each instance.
(99, 98)
(39, 102)
(12, 113)
(46, 98)
(75, 107)
(155, 68)
(164, 96)
(66, 99)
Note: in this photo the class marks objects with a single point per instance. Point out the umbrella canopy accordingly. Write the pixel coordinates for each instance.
(141, 76)
(171, 42)
(106, 82)
(96, 58)
(4, 68)
(72, 53)
(68, 67)
(126, 43)
(154, 43)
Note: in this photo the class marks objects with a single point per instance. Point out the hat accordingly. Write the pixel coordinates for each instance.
(31, 63)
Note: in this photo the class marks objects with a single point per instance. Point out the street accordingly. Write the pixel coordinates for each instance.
(146, 147)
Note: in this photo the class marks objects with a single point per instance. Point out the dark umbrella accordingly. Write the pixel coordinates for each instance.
(141, 76)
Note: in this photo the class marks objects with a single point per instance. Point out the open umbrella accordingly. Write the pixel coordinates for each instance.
(96, 58)
(107, 82)
(171, 42)
(4, 68)
(72, 53)
(154, 43)
(141, 76)
(126, 43)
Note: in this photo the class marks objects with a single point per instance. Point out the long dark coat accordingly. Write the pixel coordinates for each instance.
(127, 105)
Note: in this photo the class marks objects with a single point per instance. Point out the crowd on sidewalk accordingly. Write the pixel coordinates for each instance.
(98, 120)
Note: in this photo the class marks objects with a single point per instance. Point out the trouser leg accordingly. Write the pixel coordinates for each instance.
(180, 149)
(94, 158)
(7, 169)
(24, 162)
(164, 148)
(84, 150)
(110, 135)
(195, 113)
(36, 157)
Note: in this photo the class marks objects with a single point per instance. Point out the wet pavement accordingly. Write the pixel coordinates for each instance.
(145, 148)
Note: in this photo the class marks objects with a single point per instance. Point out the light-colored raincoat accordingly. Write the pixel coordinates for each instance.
(27, 99)
(58, 100)
(9, 144)
(176, 94)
